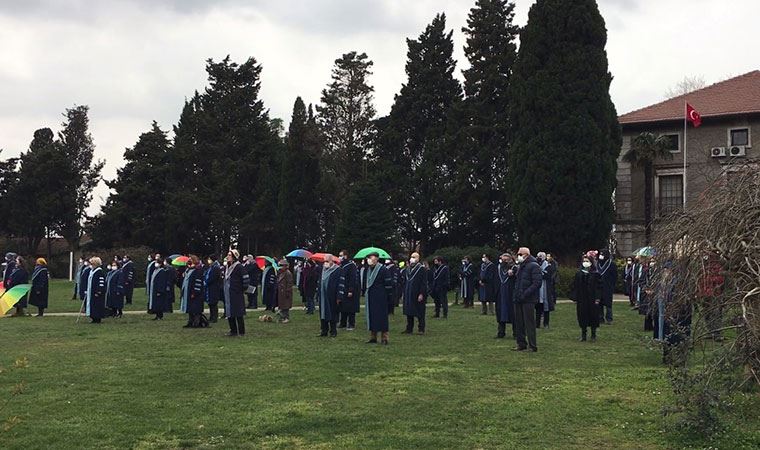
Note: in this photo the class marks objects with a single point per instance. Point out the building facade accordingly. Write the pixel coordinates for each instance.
(730, 113)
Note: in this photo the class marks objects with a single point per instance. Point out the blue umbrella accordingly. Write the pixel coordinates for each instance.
(299, 253)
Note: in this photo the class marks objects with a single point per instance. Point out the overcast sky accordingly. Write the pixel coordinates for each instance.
(133, 61)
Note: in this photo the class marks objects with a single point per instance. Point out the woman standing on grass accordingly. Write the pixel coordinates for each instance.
(18, 276)
(192, 292)
(504, 300)
(115, 290)
(38, 295)
(235, 283)
(586, 292)
(95, 303)
(158, 294)
(377, 286)
(284, 291)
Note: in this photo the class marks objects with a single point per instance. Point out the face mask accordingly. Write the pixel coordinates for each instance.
(601, 258)
(464, 263)
(157, 264)
(327, 265)
(520, 259)
(483, 259)
(412, 260)
(586, 264)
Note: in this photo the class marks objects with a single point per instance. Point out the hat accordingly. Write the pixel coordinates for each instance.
(235, 253)
(375, 254)
(41, 262)
(283, 263)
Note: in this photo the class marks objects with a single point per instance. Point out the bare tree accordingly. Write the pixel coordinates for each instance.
(685, 86)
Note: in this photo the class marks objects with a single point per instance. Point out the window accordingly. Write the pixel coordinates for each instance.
(671, 194)
(739, 136)
(673, 144)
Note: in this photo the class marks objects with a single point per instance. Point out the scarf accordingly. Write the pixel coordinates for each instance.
(323, 305)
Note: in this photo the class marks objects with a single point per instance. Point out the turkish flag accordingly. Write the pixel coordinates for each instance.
(693, 116)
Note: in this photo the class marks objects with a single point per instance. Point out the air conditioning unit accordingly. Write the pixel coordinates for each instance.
(737, 150)
(718, 152)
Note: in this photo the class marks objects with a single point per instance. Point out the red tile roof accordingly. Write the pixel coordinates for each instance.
(740, 95)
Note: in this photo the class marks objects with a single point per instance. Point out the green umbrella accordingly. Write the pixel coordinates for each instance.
(260, 262)
(645, 251)
(366, 251)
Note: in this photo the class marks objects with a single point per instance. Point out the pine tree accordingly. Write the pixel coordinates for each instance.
(411, 151)
(562, 162)
(8, 179)
(81, 171)
(480, 128)
(371, 215)
(298, 199)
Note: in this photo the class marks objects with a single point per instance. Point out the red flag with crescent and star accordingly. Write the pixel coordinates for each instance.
(693, 116)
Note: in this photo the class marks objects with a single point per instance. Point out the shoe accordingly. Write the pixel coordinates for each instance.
(341, 326)
(519, 349)
(385, 341)
(546, 327)
(230, 334)
(350, 329)
(609, 322)
(593, 338)
(286, 321)
(499, 336)
(333, 335)
(534, 350)
(445, 317)
(406, 332)
(187, 326)
(436, 316)
(421, 333)
(322, 335)
(372, 341)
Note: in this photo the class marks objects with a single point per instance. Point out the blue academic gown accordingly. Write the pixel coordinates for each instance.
(95, 301)
(269, 287)
(160, 285)
(235, 283)
(115, 289)
(213, 281)
(415, 284)
(608, 274)
(487, 292)
(377, 286)
(128, 277)
(349, 283)
(149, 276)
(38, 296)
(327, 290)
(18, 276)
(504, 301)
(467, 288)
(192, 292)
(441, 282)
(84, 277)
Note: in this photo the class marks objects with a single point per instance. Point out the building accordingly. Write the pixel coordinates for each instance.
(730, 113)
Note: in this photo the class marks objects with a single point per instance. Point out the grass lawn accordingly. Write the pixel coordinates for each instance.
(136, 383)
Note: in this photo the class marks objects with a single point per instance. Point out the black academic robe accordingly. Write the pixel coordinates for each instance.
(490, 282)
(149, 276)
(378, 296)
(415, 284)
(84, 276)
(213, 283)
(467, 288)
(192, 292)
(160, 285)
(128, 277)
(115, 289)
(585, 291)
(640, 283)
(395, 275)
(349, 283)
(269, 287)
(328, 290)
(505, 298)
(38, 295)
(172, 280)
(235, 283)
(19, 276)
(441, 281)
(608, 274)
(9, 268)
(95, 301)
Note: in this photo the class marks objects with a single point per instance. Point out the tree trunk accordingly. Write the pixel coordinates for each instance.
(648, 188)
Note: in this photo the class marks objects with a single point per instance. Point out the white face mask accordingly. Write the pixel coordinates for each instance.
(601, 258)
(586, 264)
(520, 259)
(113, 267)
(484, 260)
(327, 265)
(412, 260)
(157, 265)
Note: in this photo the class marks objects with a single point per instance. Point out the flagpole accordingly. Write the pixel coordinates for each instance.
(685, 126)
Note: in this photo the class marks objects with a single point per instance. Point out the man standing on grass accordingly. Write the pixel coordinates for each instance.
(440, 287)
(128, 272)
(329, 281)
(527, 288)
(489, 285)
(213, 283)
(152, 260)
(348, 296)
(377, 287)
(414, 280)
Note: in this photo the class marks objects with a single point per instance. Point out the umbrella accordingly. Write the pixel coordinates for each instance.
(366, 251)
(180, 261)
(175, 256)
(645, 251)
(320, 257)
(299, 253)
(9, 298)
(261, 262)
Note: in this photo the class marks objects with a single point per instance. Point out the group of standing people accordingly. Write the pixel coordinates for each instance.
(15, 274)
(104, 291)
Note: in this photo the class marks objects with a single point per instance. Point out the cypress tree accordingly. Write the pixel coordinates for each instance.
(482, 215)
(562, 162)
(411, 151)
(371, 224)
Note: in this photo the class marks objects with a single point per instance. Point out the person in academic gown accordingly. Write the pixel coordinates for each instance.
(505, 298)
(439, 289)
(391, 266)
(348, 292)
(128, 277)
(152, 259)
(586, 292)
(84, 276)
(415, 284)
(377, 287)
(254, 274)
(467, 286)
(95, 301)
(38, 295)
(17, 276)
(309, 283)
(191, 294)
(174, 280)
(77, 274)
(645, 277)
(160, 286)
(235, 283)
(628, 277)
(545, 303)
(115, 290)
(284, 291)
(269, 287)
(212, 283)
(488, 284)
(608, 275)
(328, 293)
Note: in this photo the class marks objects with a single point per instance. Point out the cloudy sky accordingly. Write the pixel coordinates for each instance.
(133, 61)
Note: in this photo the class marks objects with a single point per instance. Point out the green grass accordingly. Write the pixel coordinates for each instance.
(135, 383)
